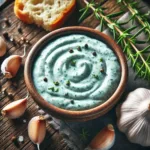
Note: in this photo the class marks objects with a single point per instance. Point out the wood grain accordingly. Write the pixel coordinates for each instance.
(16, 86)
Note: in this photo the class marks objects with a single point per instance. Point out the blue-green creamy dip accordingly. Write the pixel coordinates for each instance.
(76, 72)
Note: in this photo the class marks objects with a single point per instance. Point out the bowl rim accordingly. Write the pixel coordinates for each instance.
(81, 114)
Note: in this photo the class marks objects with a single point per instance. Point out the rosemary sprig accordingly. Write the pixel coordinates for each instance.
(140, 61)
(85, 10)
(134, 10)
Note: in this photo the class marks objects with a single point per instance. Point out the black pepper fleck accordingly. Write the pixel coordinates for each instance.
(66, 94)
(94, 54)
(79, 48)
(86, 46)
(45, 79)
(7, 21)
(71, 51)
(5, 35)
(72, 101)
(19, 29)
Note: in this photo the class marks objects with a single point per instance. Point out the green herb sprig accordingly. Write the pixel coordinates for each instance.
(84, 134)
(134, 8)
(139, 59)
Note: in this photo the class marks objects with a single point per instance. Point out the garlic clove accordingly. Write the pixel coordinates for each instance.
(104, 140)
(3, 47)
(37, 129)
(11, 65)
(15, 109)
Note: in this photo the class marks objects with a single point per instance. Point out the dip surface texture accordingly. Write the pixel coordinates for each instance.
(76, 72)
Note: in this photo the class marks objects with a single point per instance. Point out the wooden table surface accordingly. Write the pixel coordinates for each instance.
(15, 88)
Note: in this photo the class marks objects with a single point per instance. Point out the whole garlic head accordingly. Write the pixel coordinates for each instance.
(134, 116)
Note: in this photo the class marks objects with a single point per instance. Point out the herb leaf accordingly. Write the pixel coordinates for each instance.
(68, 83)
(95, 76)
(73, 63)
(115, 14)
(84, 134)
(56, 83)
(52, 89)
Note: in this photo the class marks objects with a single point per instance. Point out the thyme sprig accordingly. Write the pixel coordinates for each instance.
(140, 62)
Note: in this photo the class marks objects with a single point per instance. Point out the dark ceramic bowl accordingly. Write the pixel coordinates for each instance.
(83, 115)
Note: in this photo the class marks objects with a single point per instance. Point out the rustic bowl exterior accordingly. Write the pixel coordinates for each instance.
(69, 115)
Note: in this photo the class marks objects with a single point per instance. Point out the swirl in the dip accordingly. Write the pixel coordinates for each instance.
(76, 72)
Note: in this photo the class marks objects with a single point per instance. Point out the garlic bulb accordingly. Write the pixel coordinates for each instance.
(134, 116)
(104, 140)
(2, 47)
(37, 129)
(11, 65)
(15, 109)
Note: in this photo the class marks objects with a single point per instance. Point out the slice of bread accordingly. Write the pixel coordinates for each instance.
(50, 14)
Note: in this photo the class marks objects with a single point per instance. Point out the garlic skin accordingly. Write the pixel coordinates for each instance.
(104, 140)
(37, 129)
(15, 109)
(3, 47)
(134, 116)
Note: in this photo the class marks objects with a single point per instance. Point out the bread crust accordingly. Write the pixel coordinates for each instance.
(25, 17)
(18, 10)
